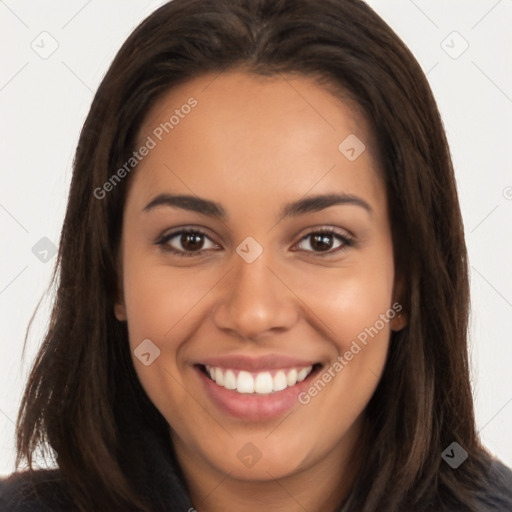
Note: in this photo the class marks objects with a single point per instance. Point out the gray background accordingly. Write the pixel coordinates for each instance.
(45, 96)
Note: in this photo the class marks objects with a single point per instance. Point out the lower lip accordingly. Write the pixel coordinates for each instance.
(253, 407)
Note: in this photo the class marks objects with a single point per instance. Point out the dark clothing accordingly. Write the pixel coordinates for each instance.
(46, 491)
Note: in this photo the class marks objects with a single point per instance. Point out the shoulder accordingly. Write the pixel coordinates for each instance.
(497, 495)
(33, 491)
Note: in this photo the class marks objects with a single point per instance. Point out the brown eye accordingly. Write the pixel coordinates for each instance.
(186, 242)
(192, 241)
(325, 241)
(322, 242)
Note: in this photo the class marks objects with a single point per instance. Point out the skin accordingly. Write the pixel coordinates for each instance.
(253, 144)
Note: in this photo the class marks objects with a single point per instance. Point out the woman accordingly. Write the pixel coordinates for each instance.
(263, 291)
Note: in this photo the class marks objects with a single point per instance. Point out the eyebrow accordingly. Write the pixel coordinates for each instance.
(212, 209)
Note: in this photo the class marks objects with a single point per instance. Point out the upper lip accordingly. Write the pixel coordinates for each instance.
(266, 362)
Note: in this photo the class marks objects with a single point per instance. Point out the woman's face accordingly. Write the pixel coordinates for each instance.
(283, 285)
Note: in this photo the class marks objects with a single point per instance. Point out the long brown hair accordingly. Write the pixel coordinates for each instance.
(83, 396)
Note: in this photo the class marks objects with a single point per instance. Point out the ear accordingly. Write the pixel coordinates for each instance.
(399, 321)
(120, 309)
(119, 304)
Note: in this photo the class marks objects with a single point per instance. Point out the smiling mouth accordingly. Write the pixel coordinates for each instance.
(258, 383)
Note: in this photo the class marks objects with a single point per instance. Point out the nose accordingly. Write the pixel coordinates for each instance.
(255, 300)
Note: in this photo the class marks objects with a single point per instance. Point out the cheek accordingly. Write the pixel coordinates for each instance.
(349, 299)
(354, 306)
(159, 305)
(163, 305)
(158, 299)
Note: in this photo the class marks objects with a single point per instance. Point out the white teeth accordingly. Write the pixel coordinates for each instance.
(229, 380)
(291, 378)
(219, 377)
(279, 381)
(244, 383)
(261, 382)
(264, 383)
(302, 374)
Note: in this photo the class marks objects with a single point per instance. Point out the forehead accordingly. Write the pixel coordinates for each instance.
(253, 133)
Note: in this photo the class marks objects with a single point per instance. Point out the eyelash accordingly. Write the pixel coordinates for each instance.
(346, 242)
